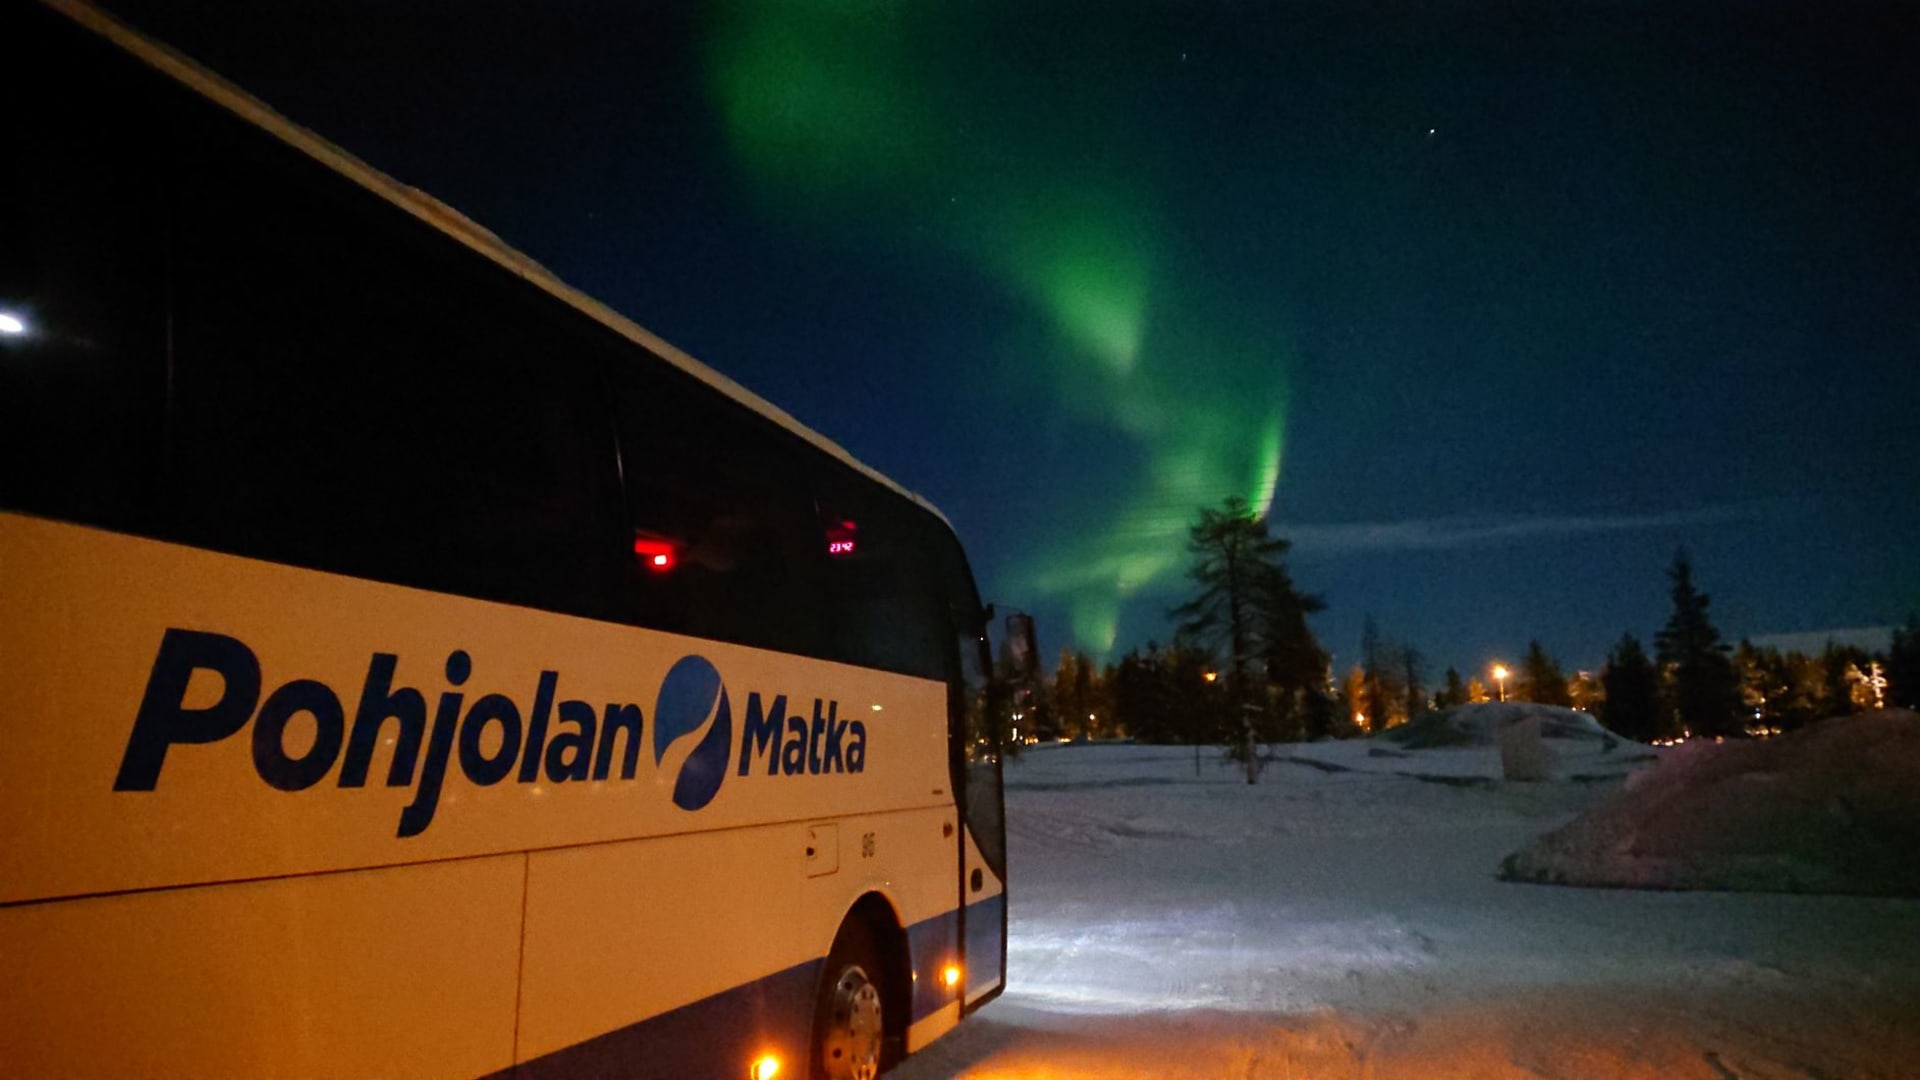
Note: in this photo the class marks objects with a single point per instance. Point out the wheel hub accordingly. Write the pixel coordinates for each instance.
(851, 1048)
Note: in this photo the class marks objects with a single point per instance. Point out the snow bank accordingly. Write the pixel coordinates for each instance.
(1834, 808)
(1474, 743)
(1480, 725)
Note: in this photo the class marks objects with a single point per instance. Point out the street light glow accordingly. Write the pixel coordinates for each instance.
(1500, 674)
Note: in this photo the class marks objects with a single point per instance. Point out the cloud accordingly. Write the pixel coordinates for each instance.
(1475, 531)
(1811, 642)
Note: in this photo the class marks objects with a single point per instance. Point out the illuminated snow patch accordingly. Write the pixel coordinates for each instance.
(1220, 957)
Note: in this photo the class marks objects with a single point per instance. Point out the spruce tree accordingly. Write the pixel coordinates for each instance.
(1632, 693)
(1702, 691)
(1541, 679)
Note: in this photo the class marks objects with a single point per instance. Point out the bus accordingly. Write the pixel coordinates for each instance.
(409, 667)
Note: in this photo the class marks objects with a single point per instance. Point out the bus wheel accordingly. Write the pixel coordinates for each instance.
(849, 1032)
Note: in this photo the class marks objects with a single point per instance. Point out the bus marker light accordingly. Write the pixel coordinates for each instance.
(656, 555)
(951, 976)
(765, 1068)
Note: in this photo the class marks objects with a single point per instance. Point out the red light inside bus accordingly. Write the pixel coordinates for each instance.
(840, 538)
(655, 555)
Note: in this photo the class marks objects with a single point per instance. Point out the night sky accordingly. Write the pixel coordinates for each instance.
(1495, 306)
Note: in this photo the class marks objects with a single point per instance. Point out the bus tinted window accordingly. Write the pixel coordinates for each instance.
(82, 250)
(406, 417)
(721, 492)
(886, 610)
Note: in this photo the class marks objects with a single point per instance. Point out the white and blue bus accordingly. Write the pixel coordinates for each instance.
(411, 668)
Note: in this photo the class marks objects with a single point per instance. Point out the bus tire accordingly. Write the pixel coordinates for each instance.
(849, 1018)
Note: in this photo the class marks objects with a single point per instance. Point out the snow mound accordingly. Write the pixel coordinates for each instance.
(1480, 725)
(1834, 808)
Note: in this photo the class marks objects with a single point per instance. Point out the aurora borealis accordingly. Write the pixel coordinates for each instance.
(1493, 309)
(856, 117)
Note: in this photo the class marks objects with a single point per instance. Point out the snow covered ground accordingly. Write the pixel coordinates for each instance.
(1343, 919)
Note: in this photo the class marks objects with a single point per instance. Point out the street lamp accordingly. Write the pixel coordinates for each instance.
(1500, 674)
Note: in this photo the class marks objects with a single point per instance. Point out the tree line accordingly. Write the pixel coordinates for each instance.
(1244, 669)
(1697, 685)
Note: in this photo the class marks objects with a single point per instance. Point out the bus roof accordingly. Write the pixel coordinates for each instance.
(447, 220)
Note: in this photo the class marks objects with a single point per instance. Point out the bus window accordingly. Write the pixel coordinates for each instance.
(402, 418)
(720, 495)
(82, 248)
(886, 612)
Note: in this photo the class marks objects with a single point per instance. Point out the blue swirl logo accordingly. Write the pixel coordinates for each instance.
(690, 696)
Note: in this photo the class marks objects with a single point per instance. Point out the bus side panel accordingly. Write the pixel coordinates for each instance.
(617, 932)
(85, 616)
(702, 950)
(935, 944)
(397, 972)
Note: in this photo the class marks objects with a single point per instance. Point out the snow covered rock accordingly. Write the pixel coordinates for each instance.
(1834, 808)
(1524, 754)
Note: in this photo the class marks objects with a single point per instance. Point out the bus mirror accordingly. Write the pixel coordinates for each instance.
(1022, 650)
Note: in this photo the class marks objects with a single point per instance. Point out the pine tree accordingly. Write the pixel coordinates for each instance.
(1840, 671)
(1232, 555)
(1076, 694)
(1296, 665)
(1585, 693)
(1702, 693)
(1087, 694)
(1375, 700)
(1136, 697)
(1413, 676)
(1246, 606)
(1903, 665)
(1454, 693)
(1797, 686)
(1632, 692)
(1540, 678)
(1353, 695)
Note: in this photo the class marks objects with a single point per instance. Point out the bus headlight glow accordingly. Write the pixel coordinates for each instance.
(11, 323)
(766, 1067)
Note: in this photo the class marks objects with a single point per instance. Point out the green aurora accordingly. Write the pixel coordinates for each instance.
(870, 124)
